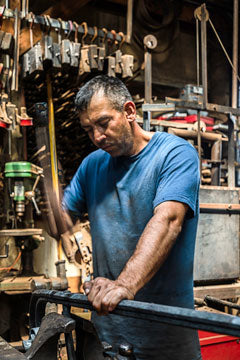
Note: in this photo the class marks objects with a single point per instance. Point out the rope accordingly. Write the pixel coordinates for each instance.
(225, 51)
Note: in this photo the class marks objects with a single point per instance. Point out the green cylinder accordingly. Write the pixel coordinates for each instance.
(20, 169)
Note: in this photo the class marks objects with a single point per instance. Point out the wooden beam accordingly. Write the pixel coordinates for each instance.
(227, 291)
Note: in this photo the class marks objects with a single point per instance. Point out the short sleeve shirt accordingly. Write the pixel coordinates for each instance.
(120, 195)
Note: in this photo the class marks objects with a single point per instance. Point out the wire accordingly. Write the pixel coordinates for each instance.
(225, 51)
(14, 263)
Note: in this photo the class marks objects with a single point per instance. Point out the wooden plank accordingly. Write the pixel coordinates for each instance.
(17, 283)
(226, 291)
(21, 232)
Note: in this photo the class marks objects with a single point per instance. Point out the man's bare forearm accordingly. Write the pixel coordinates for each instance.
(154, 246)
(152, 249)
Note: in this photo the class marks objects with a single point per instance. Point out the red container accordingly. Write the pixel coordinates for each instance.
(219, 347)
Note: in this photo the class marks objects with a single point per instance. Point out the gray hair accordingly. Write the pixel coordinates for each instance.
(113, 88)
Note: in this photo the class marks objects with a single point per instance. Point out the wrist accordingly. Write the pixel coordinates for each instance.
(122, 282)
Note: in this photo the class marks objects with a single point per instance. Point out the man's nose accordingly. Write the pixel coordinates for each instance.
(98, 135)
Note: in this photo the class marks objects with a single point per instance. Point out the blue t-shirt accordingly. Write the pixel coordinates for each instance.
(120, 195)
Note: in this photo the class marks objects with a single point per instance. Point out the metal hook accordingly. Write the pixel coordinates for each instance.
(76, 31)
(84, 24)
(113, 32)
(70, 28)
(105, 34)
(47, 23)
(95, 34)
(122, 40)
(60, 23)
(60, 29)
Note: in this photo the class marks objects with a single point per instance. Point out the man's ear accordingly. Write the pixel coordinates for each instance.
(130, 111)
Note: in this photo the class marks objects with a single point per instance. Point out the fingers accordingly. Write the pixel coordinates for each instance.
(87, 286)
(105, 294)
(111, 300)
(99, 289)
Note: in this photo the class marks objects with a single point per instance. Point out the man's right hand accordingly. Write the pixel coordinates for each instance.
(105, 294)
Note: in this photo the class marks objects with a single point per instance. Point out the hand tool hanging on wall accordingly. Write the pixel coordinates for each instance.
(47, 45)
(75, 49)
(66, 49)
(118, 56)
(110, 59)
(56, 62)
(84, 65)
(32, 62)
(93, 52)
(102, 51)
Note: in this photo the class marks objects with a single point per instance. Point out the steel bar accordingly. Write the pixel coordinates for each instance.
(231, 153)
(129, 21)
(199, 141)
(218, 323)
(148, 77)
(235, 54)
(204, 53)
(197, 52)
(14, 85)
(216, 156)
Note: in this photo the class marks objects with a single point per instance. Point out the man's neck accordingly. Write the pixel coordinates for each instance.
(141, 139)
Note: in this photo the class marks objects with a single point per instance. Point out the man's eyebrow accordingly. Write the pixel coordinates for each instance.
(102, 118)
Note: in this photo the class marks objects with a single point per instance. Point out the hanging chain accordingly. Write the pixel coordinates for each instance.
(59, 350)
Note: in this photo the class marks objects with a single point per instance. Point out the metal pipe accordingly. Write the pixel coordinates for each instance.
(231, 153)
(204, 53)
(197, 51)
(191, 134)
(148, 76)
(235, 54)
(216, 154)
(129, 21)
(199, 142)
(223, 324)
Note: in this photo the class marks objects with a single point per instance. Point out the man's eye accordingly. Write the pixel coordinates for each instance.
(104, 123)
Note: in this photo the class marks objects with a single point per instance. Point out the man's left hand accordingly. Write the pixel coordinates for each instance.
(105, 294)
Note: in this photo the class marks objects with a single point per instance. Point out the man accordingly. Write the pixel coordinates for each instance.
(140, 190)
